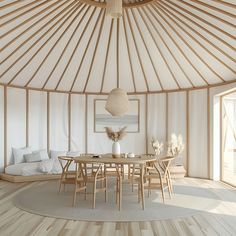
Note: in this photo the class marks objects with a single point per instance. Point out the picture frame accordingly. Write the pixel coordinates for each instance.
(103, 118)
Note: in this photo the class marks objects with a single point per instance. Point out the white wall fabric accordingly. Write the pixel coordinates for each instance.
(37, 120)
(78, 124)
(58, 117)
(1, 128)
(198, 150)
(130, 141)
(16, 120)
(98, 142)
(177, 120)
(156, 118)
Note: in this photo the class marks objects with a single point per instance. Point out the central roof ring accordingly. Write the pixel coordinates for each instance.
(126, 4)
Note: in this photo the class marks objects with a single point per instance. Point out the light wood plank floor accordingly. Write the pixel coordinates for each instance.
(221, 221)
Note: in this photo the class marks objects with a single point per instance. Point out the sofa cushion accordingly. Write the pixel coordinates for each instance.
(18, 154)
(43, 154)
(46, 166)
(32, 157)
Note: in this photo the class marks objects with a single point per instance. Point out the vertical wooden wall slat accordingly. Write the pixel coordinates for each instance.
(69, 122)
(167, 116)
(221, 140)
(27, 117)
(146, 121)
(48, 122)
(86, 123)
(208, 135)
(5, 127)
(187, 133)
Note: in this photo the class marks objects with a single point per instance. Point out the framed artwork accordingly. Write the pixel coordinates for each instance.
(104, 119)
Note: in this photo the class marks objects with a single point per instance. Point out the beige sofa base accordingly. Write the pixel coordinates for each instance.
(20, 179)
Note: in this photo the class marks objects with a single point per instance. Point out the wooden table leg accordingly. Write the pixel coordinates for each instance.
(120, 185)
(142, 186)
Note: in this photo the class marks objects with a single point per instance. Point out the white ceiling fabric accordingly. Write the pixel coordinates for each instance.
(69, 45)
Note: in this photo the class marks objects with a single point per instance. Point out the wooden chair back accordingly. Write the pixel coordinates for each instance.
(165, 164)
(65, 162)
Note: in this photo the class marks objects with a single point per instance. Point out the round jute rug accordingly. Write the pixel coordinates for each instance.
(188, 199)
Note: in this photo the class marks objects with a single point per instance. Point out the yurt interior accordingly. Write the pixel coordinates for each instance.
(117, 117)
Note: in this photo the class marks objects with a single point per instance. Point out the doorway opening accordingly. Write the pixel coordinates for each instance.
(228, 138)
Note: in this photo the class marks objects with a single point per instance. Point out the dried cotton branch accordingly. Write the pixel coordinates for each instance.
(115, 136)
(156, 146)
(175, 146)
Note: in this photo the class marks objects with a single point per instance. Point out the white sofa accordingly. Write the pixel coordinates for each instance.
(45, 166)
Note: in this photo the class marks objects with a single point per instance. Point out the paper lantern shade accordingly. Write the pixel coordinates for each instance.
(114, 8)
(117, 102)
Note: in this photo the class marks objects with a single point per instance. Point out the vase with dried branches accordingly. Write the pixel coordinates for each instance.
(175, 147)
(157, 146)
(115, 136)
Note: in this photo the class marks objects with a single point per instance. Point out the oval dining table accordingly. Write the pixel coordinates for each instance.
(140, 160)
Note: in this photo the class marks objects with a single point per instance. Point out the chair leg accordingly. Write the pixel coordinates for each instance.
(142, 194)
(105, 189)
(128, 171)
(123, 171)
(169, 187)
(61, 179)
(60, 186)
(94, 192)
(74, 199)
(132, 178)
(120, 192)
(117, 190)
(85, 194)
(170, 181)
(162, 190)
(149, 184)
(139, 193)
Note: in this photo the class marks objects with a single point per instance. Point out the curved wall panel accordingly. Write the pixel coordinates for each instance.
(177, 120)
(156, 116)
(37, 135)
(198, 133)
(61, 121)
(78, 123)
(16, 120)
(58, 121)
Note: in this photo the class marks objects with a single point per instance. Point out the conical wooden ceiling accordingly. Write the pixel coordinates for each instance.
(159, 45)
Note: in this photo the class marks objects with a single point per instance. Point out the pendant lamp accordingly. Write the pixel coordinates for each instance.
(114, 8)
(117, 102)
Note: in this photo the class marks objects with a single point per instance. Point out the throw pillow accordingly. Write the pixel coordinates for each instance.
(46, 166)
(32, 157)
(18, 154)
(43, 154)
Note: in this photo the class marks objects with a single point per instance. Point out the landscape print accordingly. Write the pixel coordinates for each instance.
(103, 118)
